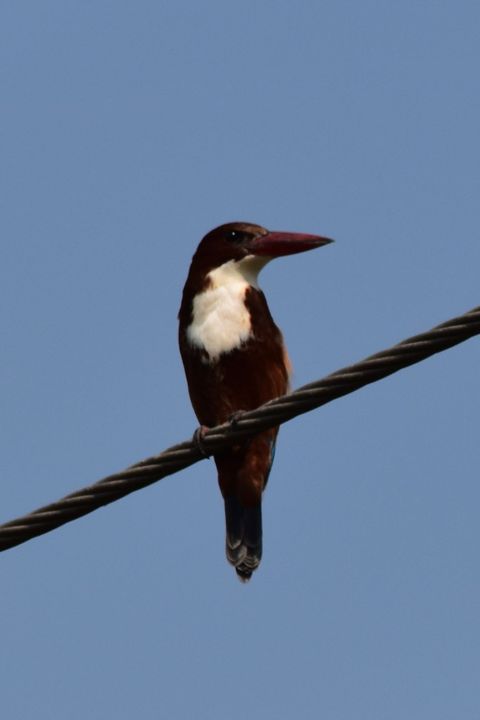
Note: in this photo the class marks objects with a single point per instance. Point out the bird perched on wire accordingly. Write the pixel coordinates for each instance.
(235, 360)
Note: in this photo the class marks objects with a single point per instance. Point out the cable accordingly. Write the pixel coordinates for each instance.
(275, 412)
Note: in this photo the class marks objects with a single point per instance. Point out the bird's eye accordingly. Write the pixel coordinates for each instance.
(237, 236)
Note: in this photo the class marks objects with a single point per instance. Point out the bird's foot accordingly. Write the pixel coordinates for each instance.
(198, 440)
(235, 417)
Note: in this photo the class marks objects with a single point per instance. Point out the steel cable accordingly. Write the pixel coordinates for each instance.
(275, 412)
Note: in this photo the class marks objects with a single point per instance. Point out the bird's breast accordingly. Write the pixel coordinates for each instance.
(221, 320)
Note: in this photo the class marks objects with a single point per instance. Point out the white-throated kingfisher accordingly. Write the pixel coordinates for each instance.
(235, 360)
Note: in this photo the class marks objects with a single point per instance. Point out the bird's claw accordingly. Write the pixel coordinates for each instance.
(235, 417)
(198, 440)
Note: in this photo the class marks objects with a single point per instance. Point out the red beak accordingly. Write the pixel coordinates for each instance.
(276, 244)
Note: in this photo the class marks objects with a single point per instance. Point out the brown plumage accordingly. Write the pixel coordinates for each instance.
(235, 360)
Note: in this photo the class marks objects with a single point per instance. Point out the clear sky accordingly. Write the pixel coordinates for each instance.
(128, 130)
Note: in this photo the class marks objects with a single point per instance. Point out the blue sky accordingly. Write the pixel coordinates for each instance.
(128, 130)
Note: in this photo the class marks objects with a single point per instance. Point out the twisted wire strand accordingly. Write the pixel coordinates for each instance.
(275, 412)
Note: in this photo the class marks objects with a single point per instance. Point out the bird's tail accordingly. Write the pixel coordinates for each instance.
(243, 537)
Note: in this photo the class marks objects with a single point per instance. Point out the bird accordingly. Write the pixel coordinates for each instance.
(235, 359)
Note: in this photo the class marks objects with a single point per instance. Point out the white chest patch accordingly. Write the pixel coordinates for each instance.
(221, 321)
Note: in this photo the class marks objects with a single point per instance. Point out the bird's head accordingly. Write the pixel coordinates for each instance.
(234, 241)
(239, 241)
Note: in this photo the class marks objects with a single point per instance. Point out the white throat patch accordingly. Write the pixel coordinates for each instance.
(221, 321)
